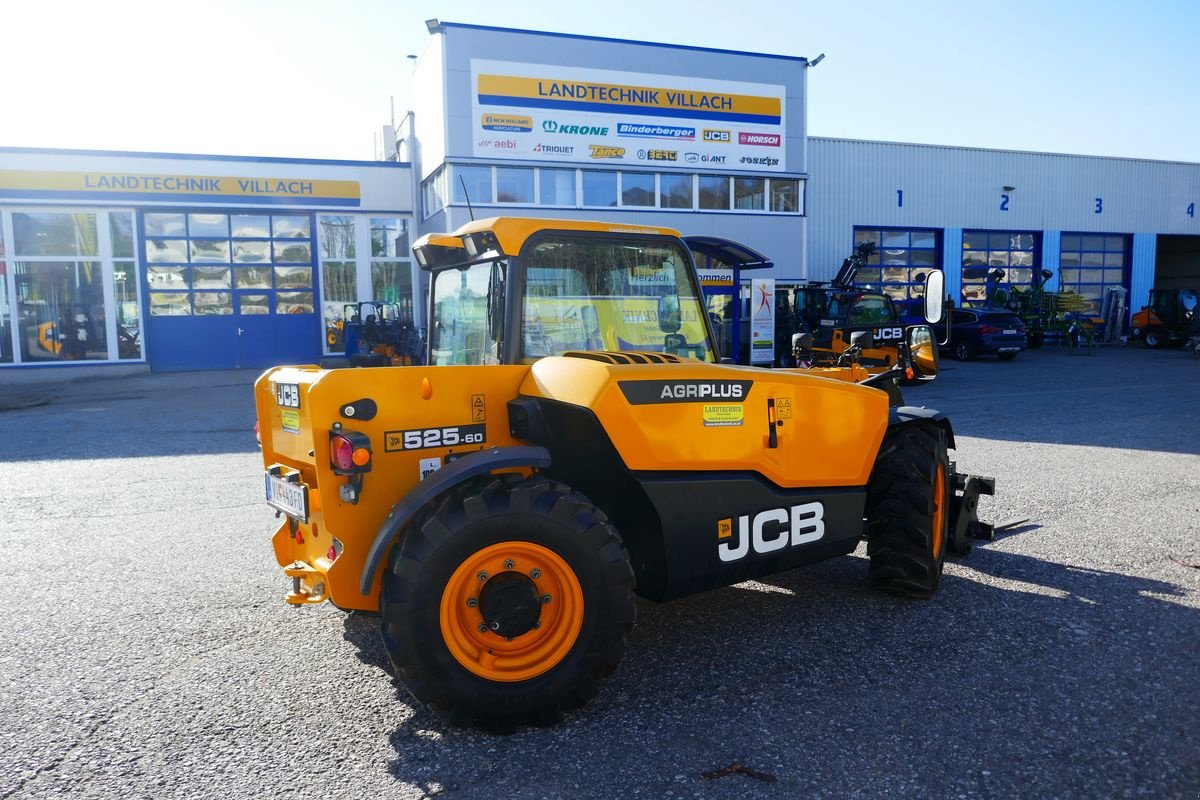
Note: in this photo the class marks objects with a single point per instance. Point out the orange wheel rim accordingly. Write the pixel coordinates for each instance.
(531, 568)
(939, 509)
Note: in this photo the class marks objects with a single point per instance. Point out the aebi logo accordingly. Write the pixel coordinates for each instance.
(771, 530)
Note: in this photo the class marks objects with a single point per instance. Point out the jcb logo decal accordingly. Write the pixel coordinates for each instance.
(771, 530)
(711, 135)
(888, 334)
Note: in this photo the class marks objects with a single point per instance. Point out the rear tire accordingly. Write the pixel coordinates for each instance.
(507, 543)
(1155, 338)
(907, 509)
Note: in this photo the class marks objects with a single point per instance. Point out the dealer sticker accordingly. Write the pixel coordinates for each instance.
(725, 415)
(290, 420)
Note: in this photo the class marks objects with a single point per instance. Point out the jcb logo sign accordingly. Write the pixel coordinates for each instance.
(711, 135)
(771, 530)
(888, 334)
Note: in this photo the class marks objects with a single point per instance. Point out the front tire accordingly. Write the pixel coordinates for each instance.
(908, 502)
(1155, 338)
(507, 603)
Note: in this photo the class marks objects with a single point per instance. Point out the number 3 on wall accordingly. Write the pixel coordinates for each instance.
(1099, 205)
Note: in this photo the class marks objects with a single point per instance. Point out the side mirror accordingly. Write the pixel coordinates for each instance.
(802, 341)
(1188, 298)
(922, 352)
(668, 313)
(862, 339)
(935, 289)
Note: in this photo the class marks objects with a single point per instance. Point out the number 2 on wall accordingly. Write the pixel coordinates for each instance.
(1004, 202)
(1099, 205)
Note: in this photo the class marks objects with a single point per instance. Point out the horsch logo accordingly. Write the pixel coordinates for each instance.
(763, 139)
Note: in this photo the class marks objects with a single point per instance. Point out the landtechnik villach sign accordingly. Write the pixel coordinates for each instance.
(534, 112)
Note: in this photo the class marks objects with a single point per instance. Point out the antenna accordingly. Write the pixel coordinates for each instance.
(470, 210)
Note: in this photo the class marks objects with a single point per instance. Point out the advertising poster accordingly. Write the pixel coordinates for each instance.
(762, 320)
(535, 112)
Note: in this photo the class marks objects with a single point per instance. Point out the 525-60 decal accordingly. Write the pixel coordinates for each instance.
(428, 438)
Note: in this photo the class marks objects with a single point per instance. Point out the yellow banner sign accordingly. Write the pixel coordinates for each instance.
(158, 186)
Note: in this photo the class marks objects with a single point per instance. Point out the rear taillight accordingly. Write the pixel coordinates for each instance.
(349, 452)
(341, 453)
(989, 329)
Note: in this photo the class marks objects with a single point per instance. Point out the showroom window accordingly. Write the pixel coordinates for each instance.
(589, 188)
(599, 188)
(1091, 263)
(195, 261)
(1017, 253)
(900, 260)
(557, 187)
(6, 331)
(55, 270)
(362, 258)
(637, 189)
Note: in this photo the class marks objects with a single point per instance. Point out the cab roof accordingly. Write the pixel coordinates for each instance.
(512, 232)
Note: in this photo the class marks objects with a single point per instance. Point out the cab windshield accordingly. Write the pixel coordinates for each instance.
(601, 293)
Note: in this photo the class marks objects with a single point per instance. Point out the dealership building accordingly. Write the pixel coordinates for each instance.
(136, 261)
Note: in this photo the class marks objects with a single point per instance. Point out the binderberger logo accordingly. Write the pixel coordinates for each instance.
(688, 391)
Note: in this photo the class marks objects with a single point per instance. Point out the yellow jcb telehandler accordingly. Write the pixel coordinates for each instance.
(575, 440)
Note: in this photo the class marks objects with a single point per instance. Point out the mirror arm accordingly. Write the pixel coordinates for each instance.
(895, 373)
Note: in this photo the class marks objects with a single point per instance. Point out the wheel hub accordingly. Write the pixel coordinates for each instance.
(510, 604)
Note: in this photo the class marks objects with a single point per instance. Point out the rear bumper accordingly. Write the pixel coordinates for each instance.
(1005, 344)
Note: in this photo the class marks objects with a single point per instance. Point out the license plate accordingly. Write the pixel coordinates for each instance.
(1010, 331)
(289, 497)
(1009, 350)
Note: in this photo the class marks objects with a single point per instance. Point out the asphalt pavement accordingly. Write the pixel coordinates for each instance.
(147, 650)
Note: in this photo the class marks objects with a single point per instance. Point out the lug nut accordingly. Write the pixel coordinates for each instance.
(483, 576)
(535, 573)
(545, 599)
(483, 628)
(509, 564)
(537, 625)
(472, 602)
(496, 625)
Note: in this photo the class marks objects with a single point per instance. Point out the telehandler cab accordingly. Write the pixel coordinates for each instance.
(573, 441)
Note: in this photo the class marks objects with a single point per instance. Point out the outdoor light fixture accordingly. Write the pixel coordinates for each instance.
(1009, 188)
(816, 61)
(433, 25)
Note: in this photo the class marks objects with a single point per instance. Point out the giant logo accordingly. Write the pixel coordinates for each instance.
(770, 530)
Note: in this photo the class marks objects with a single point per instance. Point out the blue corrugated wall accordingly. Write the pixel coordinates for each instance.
(1141, 271)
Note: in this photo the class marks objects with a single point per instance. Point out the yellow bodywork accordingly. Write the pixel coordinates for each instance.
(830, 432)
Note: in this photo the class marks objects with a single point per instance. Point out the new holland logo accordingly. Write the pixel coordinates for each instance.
(605, 151)
(687, 391)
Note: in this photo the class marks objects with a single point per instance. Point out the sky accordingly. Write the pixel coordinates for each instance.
(312, 79)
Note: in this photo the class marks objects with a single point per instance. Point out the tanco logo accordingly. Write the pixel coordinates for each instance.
(551, 126)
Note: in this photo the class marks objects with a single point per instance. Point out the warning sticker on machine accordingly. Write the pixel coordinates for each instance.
(478, 408)
(725, 415)
(290, 421)
(783, 407)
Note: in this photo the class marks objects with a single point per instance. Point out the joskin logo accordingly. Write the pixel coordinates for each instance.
(605, 151)
(508, 123)
(552, 126)
(640, 393)
(770, 530)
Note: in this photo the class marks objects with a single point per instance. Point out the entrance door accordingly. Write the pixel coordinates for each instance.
(229, 290)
